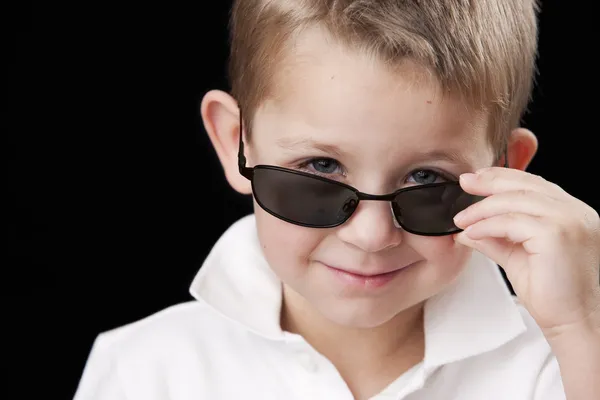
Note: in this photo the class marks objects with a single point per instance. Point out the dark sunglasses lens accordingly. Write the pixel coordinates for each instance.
(302, 199)
(430, 210)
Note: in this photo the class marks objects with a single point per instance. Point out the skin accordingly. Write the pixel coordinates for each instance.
(380, 127)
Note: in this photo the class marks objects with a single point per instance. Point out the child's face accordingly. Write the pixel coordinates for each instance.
(386, 128)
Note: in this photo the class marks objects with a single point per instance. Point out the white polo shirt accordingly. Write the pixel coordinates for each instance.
(227, 343)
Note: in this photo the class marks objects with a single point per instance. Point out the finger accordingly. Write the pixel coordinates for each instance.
(489, 181)
(513, 227)
(520, 201)
(496, 249)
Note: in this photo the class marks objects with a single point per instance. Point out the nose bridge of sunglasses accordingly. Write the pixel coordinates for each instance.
(376, 197)
(350, 205)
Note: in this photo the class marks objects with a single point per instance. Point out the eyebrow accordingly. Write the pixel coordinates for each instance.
(309, 144)
(452, 156)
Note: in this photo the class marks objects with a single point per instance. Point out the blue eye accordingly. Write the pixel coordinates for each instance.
(323, 166)
(426, 176)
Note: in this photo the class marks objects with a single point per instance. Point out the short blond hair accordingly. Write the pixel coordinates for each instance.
(482, 50)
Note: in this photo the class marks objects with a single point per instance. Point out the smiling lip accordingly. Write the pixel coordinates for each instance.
(370, 275)
(365, 280)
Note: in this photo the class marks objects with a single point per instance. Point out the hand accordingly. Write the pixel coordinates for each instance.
(547, 241)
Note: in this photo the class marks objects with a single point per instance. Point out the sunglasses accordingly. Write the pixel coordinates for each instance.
(314, 201)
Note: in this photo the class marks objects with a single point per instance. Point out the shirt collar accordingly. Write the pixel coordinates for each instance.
(237, 282)
(475, 314)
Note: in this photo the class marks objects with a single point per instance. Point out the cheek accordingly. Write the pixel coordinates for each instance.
(286, 247)
(440, 248)
(445, 258)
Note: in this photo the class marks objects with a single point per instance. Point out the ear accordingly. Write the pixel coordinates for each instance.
(522, 147)
(221, 118)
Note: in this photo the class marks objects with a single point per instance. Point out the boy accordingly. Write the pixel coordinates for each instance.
(362, 129)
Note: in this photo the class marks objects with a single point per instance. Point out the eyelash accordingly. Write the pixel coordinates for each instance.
(303, 166)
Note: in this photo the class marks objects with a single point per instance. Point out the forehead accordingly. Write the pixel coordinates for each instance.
(328, 93)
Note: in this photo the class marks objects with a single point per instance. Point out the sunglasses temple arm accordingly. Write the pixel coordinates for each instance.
(245, 171)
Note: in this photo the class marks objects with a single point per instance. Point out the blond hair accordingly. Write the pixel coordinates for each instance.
(482, 50)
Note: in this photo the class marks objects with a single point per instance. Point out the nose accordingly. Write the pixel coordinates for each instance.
(371, 228)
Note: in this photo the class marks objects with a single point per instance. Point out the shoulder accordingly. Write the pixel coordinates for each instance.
(190, 335)
(163, 334)
(155, 354)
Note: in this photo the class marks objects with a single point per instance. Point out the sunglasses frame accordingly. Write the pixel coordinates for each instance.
(248, 173)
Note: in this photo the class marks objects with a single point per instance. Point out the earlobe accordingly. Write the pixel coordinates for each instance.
(522, 147)
(220, 116)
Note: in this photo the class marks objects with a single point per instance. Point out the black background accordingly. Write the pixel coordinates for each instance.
(115, 194)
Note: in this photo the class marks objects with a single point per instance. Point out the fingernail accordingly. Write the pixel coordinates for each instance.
(458, 217)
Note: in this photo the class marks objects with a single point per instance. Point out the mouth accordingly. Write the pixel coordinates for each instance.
(370, 280)
(368, 275)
